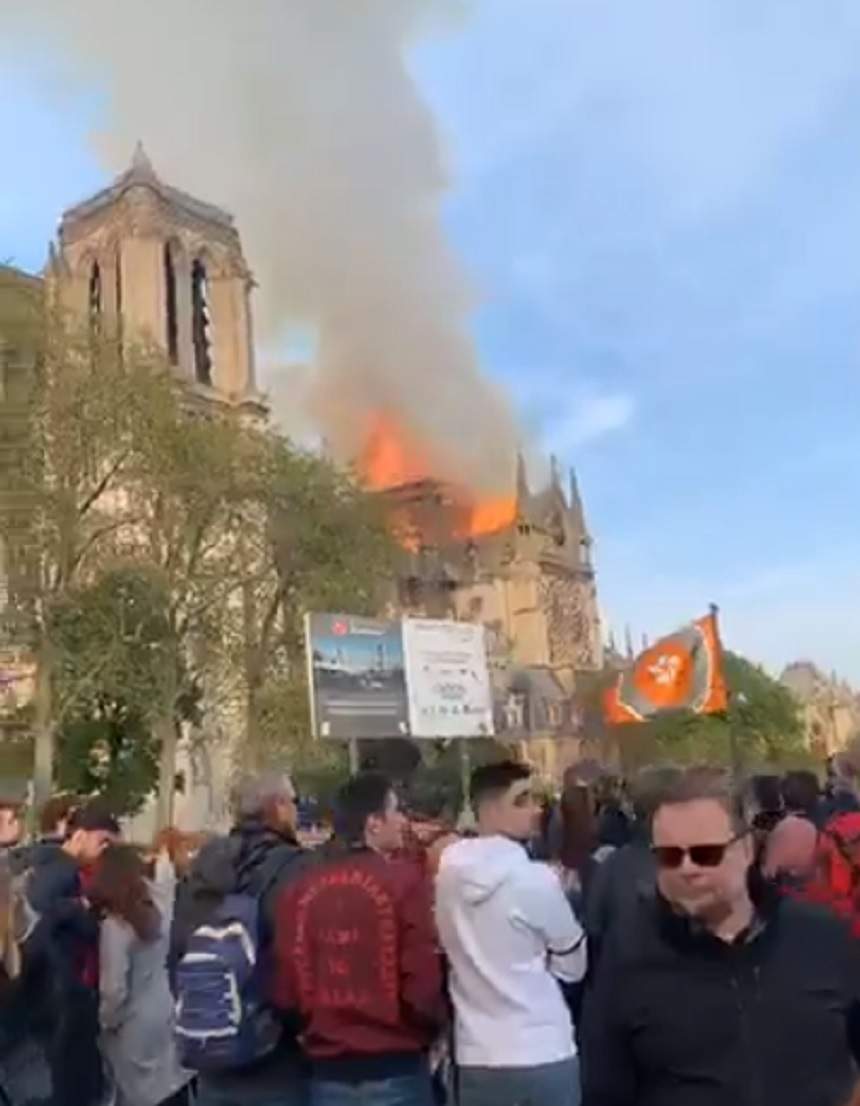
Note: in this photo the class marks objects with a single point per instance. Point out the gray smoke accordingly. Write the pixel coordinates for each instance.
(301, 118)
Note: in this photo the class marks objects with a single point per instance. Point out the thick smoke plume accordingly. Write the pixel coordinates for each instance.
(301, 118)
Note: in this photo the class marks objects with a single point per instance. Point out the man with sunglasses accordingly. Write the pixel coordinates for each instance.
(720, 993)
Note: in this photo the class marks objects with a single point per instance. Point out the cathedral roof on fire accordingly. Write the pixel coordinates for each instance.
(141, 174)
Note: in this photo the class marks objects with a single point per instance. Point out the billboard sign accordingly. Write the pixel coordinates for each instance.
(356, 677)
(447, 679)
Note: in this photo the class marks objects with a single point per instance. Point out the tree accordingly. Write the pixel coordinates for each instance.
(314, 541)
(762, 727)
(91, 410)
(113, 652)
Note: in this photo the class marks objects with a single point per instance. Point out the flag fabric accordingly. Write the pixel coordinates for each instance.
(683, 671)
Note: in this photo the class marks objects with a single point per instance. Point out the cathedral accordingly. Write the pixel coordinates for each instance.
(149, 261)
(529, 578)
(153, 261)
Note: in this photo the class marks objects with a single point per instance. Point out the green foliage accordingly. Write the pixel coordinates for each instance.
(762, 727)
(322, 545)
(331, 546)
(109, 751)
(114, 634)
(168, 547)
(113, 648)
(436, 785)
(318, 768)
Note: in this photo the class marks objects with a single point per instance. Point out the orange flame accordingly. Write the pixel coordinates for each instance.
(390, 459)
(493, 514)
(387, 460)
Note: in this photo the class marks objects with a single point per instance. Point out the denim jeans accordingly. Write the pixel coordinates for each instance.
(547, 1085)
(404, 1090)
(293, 1094)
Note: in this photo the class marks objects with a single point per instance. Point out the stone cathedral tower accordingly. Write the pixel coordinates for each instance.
(157, 264)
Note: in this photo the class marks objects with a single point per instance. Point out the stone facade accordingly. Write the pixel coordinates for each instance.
(531, 583)
(21, 297)
(830, 707)
(159, 265)
(149, 263)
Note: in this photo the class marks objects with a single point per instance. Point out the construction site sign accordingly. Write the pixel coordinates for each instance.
(447, 679)
(356, 677)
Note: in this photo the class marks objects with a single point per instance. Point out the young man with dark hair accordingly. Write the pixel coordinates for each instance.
(723, 992)
(63, 949)
(511, 938)
(11, 825)
(357, 958)
(54, 819)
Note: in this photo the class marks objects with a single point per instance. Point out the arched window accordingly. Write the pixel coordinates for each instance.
(201, 323)
(4, 575)
(118, 288)
(172, 325)
(94, 298)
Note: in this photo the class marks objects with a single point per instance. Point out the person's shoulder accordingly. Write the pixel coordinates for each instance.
(116, 932)
(405, 873)
(286, 860)
(57, 876)
(536, 875)
(637, 938)
(807, 921)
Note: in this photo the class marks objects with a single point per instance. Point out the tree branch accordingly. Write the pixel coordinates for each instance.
(102, 485)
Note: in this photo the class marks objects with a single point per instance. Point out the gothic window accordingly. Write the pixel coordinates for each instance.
(118, 289)
(4, 575)
(95, 297)
(201, 323)
(172, 324)
(554, 716)
(515, 711)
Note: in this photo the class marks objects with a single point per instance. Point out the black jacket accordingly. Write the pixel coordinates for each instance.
(254, 860)
(621, 885)
(677, 1017)
(60, 967)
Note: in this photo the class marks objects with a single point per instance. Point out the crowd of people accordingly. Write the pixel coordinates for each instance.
(679, 939)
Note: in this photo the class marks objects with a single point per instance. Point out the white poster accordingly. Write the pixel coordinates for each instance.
(447, 679)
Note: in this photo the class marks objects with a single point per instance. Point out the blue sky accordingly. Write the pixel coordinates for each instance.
(659, 204)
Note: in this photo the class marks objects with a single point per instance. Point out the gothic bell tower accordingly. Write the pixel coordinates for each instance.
(153, 263)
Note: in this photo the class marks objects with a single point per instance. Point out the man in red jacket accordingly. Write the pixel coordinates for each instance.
(357, 959)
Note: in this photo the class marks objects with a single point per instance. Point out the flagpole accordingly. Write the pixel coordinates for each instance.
(734, 744)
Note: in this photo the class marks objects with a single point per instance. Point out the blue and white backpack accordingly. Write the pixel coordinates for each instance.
(223, 1020)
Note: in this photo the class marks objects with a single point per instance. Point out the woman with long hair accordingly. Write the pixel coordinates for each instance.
(136, 1009)
(25, 1076)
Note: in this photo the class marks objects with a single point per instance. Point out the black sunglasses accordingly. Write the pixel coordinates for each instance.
(703, 856)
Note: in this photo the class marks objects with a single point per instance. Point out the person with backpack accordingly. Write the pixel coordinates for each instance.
(834, 879)
(136, 1008)
(357, 958)
(243, 1051)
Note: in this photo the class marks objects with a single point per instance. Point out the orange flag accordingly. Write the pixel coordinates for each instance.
(681, 672)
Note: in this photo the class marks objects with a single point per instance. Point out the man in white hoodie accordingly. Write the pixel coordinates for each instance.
(511, 937)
